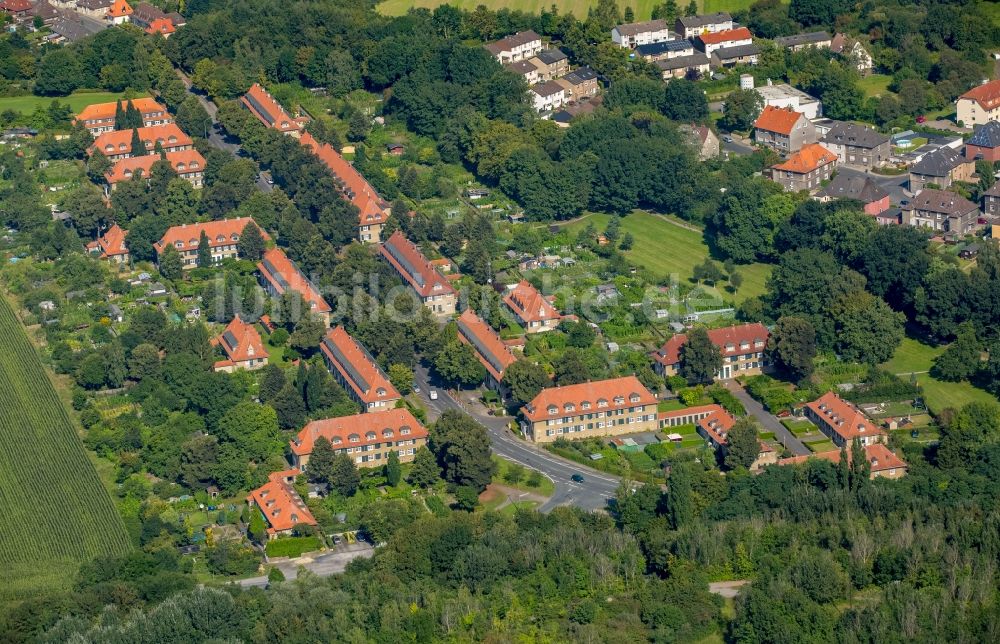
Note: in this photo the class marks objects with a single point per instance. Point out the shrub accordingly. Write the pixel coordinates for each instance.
(291, 546)
(535, 479)
(729, 402)
(279, 337)
(437, 506)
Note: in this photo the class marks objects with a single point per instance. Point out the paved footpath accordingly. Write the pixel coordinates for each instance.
(768, 420)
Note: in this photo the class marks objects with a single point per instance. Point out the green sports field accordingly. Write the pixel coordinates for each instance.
(56, 513)
(76, 101)
(642, 8)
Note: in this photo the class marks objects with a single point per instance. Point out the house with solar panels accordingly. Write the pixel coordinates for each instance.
(356, 371)
(433, 289)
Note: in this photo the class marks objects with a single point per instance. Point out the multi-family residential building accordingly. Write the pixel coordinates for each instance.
(732, 56)
(640, 33)
(223, 239)
(433, 289)
(709, 42)
(742, 348)
(984, 143)
(356, 371)
(714, 427)
(491, 351)
(882, 462)
(842, 422)
(805, 169)
(520, 46)
(373, 210)
(533, 311)
(188, 164)
(280, 504)
(785, 96)
(991, 200)
(665, 49)
(242, 345)
(111, 245)
(580, 84)
(278, 274)
(366, 438)
(18, 10)
(74, 27)
(269, 111)
(696, 65)
(783, 129)
(854, 51)
(859, 188)
(690, 27)
(547, 96)
(602, 408)
(100, 117)
(525, 70)
(117, 144)
(979, 105)
(549, 64)
(857, 145)
(153, 20)
(941, 211)
(942, 167)
(799, 42)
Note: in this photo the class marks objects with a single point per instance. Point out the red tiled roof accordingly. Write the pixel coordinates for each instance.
(357, 367)
(15, 6)
(268, 110)
(219, 233)
(740, 33)
(110, 243)
(670, 352)
(987, 94)
(339, 430)
(120, 141)
(283, 274)
(120, 9)
(777, 119)
(161, 26)
(240, 341)
(880, 458)
(489, 348)
(101, 111)
(688, 411)
(843, 418)
(182, 161)
(420, 274)
(529, 304)
(811, 157)
(372, 209)
(591, 393)
(281, 505)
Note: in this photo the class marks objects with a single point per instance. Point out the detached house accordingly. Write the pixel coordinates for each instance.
(804, 41)
(223, 239)
(854, 51)
(942, 167)
(188, 164)
(434, 291)
(721, 39)
(979, 105)
(356, 371)
(119, 12)
(690, 27)
(520, 46)
(941, 211)
(984, 143)
(243, 347)
(494, 355)
(117, 144)
(602, 408)
(533, 310)
(366, 438)
(279, 274)
(100, 117)
(805, 169)
(280, 504)
(863, 189)
(842, 422)
(640, 33)
(783, 130)
(742, 347)
(857, 145)
(268, 111)
(111, 245)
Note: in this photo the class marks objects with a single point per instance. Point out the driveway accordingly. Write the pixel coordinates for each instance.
(330, 563)
(768, 420)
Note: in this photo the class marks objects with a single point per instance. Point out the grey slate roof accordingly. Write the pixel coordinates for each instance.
(941, 201)
(802, 39)
(656, 48)
(739, 51)
(986, 136)
(691, 22)
(581, 75)
(74, 27)
(853, 187)
(549, 56)
(938, 163)
(694, 60)
(854, 135)
(516, 40)
(994, 190)
(634, 28)
(548, 88)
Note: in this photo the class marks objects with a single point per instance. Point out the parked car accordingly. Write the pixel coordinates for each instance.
(416, 389)
(434, 395)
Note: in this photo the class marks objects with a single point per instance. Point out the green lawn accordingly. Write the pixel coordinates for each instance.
(642, 8)
(821, 446)
(76, 101)
(547, 487)
(912, 356)
(875, 84)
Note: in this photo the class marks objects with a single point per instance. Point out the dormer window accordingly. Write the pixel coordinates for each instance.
(585, 404)
(220, 238)
(234, 237)
(619, 400)
(553, 409)
(569, 407)
(193, 242)
(178, 244)
(601, 402)
(371, 436)
(181, 167)
(337, 440)
(380, 391)
(730, 347)
(354, 438)
(405, 431)
(634, 398)
(387, 433)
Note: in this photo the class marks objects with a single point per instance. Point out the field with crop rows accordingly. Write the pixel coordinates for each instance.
(54, 511)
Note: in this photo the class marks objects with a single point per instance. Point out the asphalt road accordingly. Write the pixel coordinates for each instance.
(768, 420)
(593, 493)
(324, 565)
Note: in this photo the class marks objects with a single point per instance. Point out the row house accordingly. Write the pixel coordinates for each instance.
(279, 274)
(984, 143)
(941, 211)
(117, 144)
(942, 167)
(882, 461)
(550, 64)
(857, 145)
(991, 200)
(433, 289)
(727, 57)
(280, 505)
(242, 345)
(798, 42)
(366, 438)
(690, 27)
(665, 50)
(520, 46)
(842, 422)
(874, 197)
(709, 42)
(696, 65)
(783, 130)
(357, 371)
(742, 348)
(785, 96)
(634, 34)
(805, 169)
(525, 70)
(100, 117)
(532, 310)
(491, 351)
(547, 96)
(223, 239)
(714, 427)
(111, 245)
(590, 409)
(373, 210)
(580, 84)
(979, 105)
(188, 164)
(269, 111)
